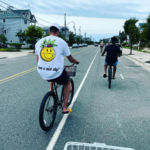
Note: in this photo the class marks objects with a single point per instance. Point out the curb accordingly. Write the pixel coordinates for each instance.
(137, 60)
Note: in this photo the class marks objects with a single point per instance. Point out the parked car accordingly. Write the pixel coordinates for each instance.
(1, 45)
(80, 45)
(85, 44)
(95, 44)
(75, 46)
(120, 46)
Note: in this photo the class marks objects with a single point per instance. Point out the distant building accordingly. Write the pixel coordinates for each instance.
(140, 27)
(62, 31)
(15, 20)
(87, 39)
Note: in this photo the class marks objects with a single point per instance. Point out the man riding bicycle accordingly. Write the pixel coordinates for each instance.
(113, 51)
(50, 53)
(101, 46)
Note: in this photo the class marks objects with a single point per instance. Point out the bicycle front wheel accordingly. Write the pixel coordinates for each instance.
(48, 110)
(71, 92)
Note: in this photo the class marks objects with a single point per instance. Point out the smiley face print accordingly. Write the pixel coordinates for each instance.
(47, 53)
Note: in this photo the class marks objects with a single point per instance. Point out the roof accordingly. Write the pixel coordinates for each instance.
(18, 13)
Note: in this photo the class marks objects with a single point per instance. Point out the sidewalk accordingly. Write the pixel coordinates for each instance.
(5, 55)
(138, 56)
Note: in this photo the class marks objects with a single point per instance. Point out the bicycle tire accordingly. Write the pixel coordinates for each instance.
(49, 97)
(109, 77)
(71, 92)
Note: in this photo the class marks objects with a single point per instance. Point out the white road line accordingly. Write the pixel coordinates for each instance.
(61, 124)
(122, 76)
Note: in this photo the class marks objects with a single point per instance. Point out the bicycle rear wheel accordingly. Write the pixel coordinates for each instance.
(109, 77)
(71, 92)
(48, 110)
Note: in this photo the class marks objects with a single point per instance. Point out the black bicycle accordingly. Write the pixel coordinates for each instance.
(109, 75)
(51, 101)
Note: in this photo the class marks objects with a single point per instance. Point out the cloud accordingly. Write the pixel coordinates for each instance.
(92, 26)
(98, 18)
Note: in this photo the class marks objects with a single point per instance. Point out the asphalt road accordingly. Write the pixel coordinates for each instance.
(119, 116)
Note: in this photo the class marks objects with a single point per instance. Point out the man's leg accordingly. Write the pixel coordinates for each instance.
(51, 86)
(114, 71)
(66, 96)
(105, 69)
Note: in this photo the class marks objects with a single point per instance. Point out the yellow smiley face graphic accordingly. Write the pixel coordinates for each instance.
(47, 53)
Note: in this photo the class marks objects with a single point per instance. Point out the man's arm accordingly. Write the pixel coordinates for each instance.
(119, 52)
(72, 59)
(37, 58)
(103, 53)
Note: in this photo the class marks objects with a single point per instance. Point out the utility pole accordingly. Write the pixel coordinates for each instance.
(80, 34)
(85, 37)
(65, 25)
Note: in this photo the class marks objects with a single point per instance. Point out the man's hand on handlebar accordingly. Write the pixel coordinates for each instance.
(77, 62)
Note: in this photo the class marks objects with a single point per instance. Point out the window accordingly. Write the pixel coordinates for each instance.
(25, 21)
(3, 20)
(4, 31)
(24, 13)
(11, 41)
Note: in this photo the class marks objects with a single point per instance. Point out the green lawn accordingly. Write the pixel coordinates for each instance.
(7, 49)
(13, 49)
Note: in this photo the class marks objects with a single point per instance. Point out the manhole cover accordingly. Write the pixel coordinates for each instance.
(3, 57)
(147, 62)
(133, 66)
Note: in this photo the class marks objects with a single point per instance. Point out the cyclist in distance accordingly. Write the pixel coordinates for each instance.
(50, 53)
(101, 46)
(113, 51)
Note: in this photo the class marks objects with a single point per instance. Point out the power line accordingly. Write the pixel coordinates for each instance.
(19, 9)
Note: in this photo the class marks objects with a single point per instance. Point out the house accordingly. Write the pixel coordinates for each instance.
(62, 31)
(13, 21)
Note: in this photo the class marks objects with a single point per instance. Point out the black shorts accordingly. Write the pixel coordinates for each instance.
(62, 79)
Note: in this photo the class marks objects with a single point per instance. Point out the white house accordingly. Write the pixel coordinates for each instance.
(15, 20)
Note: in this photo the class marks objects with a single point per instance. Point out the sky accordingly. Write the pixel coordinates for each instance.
(97, 18)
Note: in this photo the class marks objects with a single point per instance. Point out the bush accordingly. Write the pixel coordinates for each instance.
(142, 44)
(135, 47)
(125, 43)
(147, 45)
(16, 45)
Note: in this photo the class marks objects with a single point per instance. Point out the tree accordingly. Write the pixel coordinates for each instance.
(21, 35)
(33, 33)
(132, 31)
(122, 37)
(72, 39)
(61, 36)
(3, 32)
(145, 35)
(3, 39)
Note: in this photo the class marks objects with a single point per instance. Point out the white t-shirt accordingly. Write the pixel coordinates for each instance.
(51, 51)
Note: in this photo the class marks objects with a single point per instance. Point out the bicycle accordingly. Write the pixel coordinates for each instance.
(51, 97)
(92, 146)
(109, 75)
(101, 49)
